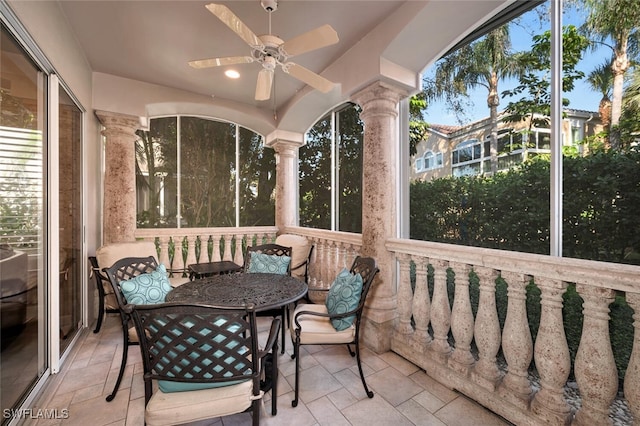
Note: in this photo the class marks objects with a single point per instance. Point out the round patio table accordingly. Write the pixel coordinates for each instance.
(265, 291)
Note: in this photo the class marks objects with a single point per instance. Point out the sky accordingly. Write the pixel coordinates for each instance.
(582, 97)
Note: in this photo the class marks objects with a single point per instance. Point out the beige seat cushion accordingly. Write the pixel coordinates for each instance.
(190, 406)
(300, 248)
(133, 336)
(318, 330)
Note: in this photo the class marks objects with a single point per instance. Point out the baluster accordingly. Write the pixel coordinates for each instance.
(215, 248)
(191, 251)
(632, 376)
(551, 354)
(440, 312)
(405, 296)
(210, 249)
(164, 251)
(313, 263)
(180, 255)
(487, 330)
(342, 257)
(237, 256)
(325, 265)
(227, 248)
(461, 321)
(517, 344)
(421, 305)
(594, 366)
(333, 262)
(198, 249)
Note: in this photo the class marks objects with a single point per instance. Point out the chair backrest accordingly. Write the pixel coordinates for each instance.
(191, 343)
(367, 268)
(269, 249)
(103, 285)
(126, 269)
(301, 250)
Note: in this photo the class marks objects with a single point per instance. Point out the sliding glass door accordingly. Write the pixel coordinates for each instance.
(23, 305)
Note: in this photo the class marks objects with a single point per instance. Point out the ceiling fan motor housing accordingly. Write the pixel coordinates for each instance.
(269, 5)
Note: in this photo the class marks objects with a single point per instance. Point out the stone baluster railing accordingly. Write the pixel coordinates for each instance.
(204, 244)
(509, 386)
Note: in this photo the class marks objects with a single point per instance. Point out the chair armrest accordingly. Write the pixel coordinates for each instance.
(317, 289)
(323, 315)
(293, 268)
(272, 339)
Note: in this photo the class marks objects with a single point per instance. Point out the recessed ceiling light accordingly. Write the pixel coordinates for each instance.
(232, 74)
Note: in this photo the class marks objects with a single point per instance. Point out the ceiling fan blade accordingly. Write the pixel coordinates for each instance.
(312, 79)
(218, 62)
(225, 14)
(263, 87)
(315, 39)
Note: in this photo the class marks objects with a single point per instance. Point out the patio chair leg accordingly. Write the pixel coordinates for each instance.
(125, 351)
(274, 384)
(351, 352)
(285, 311)
(101, 313)
(296, 355)
(364, 383)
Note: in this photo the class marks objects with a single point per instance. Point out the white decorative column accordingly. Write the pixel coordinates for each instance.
(379, 103)
(286, 145)
(119, 216)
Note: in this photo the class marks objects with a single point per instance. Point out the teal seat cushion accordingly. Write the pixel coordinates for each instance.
(146, 289)
(269, 263)
(344, 296)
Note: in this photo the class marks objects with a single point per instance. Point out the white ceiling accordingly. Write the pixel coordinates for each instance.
(152, 41)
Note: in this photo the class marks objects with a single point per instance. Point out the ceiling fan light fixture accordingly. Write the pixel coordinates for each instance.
(232, 74)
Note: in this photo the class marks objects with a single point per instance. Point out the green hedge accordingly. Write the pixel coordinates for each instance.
(510, 211)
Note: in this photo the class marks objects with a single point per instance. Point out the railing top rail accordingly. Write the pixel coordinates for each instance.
(616, 276)
(344, 237)
(230, 230)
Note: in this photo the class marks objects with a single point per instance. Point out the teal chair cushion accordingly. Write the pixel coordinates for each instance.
(269, 263)
(344, 296)
(146, 289)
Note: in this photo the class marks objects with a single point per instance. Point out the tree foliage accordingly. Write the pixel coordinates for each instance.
(535, 84)
(208, 173)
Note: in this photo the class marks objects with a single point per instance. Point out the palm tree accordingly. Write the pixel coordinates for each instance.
(480, 64)
(601, 80)
(618, 21)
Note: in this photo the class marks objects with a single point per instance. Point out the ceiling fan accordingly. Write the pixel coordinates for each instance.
(271, 51)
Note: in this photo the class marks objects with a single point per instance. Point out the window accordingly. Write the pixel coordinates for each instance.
(467, 158)
(330, 172)
(199, 172)
(432, 161)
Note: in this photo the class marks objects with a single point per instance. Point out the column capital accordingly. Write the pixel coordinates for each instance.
(116, 123)
(379, 98)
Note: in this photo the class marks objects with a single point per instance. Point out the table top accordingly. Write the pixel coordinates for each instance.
(266, 291)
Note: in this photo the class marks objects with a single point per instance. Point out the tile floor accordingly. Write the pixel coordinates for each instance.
(331, 390)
